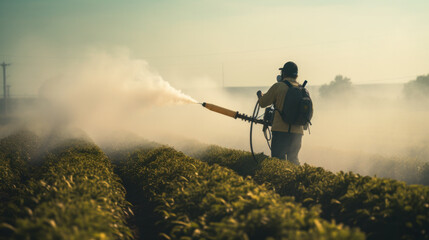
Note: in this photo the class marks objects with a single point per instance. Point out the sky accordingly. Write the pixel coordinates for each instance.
(219, 43)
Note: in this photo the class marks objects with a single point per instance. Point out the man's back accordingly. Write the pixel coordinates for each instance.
(276, 95)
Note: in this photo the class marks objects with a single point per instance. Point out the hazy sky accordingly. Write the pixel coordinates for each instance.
(240, 43)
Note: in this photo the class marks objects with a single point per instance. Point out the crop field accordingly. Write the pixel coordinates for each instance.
(70, 188)
(382, 208)
(133, 119)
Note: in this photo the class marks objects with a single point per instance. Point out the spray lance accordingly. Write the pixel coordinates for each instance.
(266, 120)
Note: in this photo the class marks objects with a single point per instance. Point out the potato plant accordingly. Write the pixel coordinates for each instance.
(382, 208)
(16, 151)
(240, 161)
(199, 201)
(74, 195)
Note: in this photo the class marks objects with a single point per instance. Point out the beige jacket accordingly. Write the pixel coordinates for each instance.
(276, 95)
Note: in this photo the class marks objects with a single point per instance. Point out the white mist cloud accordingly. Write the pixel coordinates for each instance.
(99, 91)
(105, 87)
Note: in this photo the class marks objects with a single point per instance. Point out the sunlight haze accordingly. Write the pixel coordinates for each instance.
(230, 43)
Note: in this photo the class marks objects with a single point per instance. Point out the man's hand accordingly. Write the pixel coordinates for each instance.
(259, 94)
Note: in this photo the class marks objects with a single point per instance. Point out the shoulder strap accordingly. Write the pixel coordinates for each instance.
(290, 84)
(287, 83)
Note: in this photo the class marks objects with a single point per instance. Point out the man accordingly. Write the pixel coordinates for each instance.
(286, 138)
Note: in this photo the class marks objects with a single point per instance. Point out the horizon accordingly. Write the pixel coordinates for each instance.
(237, 87)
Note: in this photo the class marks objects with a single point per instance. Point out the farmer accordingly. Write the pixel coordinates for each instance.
(286, 137)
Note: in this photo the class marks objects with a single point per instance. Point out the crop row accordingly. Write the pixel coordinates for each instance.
(197, 201)
(382, 208)
(74, 194)
(408, 169)
(15, 152)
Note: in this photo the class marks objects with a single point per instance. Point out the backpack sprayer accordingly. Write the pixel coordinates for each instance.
(266, 120)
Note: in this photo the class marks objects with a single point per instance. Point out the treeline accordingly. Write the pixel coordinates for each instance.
(342, 88)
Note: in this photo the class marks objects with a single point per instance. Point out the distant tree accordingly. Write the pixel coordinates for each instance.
(417, 89)
(341, 87)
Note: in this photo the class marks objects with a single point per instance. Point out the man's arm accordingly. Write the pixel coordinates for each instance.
(268, 98)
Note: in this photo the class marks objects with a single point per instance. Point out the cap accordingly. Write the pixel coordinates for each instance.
(290, 69)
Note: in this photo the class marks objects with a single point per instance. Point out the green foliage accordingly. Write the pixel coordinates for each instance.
(119, 148)
(74, 195)
(417, 89)
(240, 161)
(424, 174)
(199, 201)
(382, 208)
(410, 170)
(16, 151)
(341, 87)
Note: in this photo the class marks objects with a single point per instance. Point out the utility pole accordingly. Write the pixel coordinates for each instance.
(4, 65)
